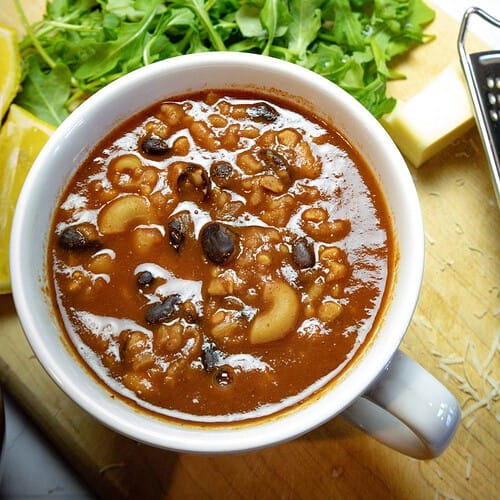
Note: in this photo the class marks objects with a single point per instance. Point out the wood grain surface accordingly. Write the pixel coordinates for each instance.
(457, 319)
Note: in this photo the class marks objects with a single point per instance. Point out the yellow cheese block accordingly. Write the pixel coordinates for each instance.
(432, 119)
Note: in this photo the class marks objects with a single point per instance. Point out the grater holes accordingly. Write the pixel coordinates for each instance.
(493, 97)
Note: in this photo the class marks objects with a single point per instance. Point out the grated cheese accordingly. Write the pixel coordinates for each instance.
(469, 422)
(425, 323)
(494, 383)
(494, 348)
(470, 347)
(477, 397)
(452, 373)
(474, 359)
(467, 389)
(108, 467)
(452, 361)
(474, 407)
(468, 467)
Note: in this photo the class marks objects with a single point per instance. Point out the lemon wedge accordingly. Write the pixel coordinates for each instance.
(10, 62)
(21, 139)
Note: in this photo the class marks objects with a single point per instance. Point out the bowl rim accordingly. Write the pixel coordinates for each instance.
(270, 430)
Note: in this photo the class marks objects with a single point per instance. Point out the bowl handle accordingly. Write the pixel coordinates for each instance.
(407, 409)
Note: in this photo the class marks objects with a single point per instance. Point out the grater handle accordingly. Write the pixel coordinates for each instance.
(482, 74)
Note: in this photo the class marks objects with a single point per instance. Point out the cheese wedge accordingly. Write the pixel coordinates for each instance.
(432, 119)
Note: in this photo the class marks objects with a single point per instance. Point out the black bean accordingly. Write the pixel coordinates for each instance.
(194, 179)
(276, 163)
(209, 356)
(303, 253)
(74, 239)
(221, 173)
(179, 226)
(155, 146)
(175, 236)
(145, 279)
(164, 310)
(218, 242)
(188, 311)
(262, 112)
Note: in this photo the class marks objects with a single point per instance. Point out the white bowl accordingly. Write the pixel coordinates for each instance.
(88, 124)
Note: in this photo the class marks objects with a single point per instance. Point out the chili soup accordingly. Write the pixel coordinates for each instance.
(221, 256)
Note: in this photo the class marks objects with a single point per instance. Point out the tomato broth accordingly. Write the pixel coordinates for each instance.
(220, 256)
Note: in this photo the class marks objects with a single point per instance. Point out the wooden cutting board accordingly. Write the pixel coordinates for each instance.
(457, 317)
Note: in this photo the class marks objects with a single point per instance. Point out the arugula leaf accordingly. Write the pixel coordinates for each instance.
(247, 17)
(109, 55)
(198, 8)
(379, 44)
(60, 10)
(158, 44)
(306, 22)
(273, 15)
(45, 93)
(128, 9)
(81, 45)
(347, 29)
(421, 14)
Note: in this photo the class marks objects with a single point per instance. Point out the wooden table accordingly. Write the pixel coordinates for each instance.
(457, 317)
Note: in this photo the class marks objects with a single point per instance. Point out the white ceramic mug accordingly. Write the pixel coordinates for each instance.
(382, 391)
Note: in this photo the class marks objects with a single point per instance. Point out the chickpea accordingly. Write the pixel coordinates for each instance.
(289, 137)
(172, 113)
(181, 146)
(101, 263)
(145, 239)
(328, 311)
(217, 121)
(203, 135)
(272, 184)
(315, 214)
(248, 163)
(168, 338)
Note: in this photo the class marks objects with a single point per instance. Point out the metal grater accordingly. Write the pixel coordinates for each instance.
(482, 73)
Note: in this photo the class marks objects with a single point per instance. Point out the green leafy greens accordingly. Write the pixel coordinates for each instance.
(81, 45)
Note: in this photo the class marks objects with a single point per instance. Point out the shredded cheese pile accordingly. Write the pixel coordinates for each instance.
(478, 395)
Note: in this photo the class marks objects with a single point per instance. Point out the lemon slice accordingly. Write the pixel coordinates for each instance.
(21, 139)
(10, 62)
